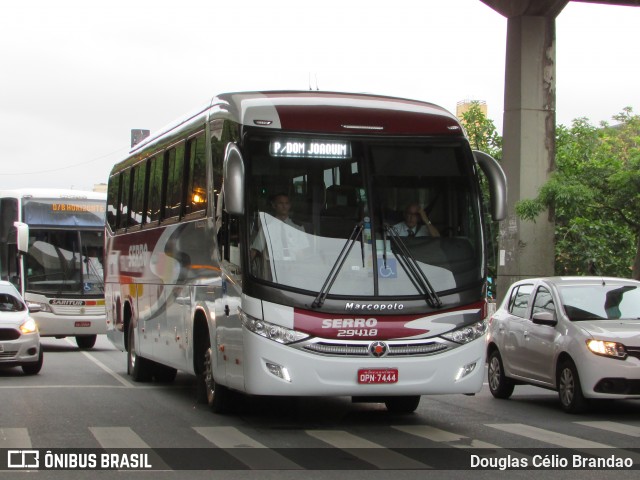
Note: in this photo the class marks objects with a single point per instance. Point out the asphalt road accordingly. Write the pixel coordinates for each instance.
(84, 401)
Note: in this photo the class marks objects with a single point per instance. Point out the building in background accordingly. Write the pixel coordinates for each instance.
(464, 105)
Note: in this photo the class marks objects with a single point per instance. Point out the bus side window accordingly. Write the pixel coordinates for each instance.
(175, 179)
(196, 200)
(113, 194)
(154, 188)
(125, 191)
(137, 194)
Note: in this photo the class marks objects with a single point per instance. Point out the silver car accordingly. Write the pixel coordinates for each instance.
(19, 337)
(579, 336)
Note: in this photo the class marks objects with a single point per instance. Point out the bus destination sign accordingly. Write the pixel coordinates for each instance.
(310, 148)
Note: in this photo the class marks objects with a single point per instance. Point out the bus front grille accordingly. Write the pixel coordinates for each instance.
(363, 350)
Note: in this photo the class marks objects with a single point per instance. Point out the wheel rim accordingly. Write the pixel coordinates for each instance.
(567, 386)
(494, 373)
(132, 352)
(208, 376)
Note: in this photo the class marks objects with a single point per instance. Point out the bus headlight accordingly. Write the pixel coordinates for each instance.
(29, 326)
(271, 331)
(468, 333)
(44, 307)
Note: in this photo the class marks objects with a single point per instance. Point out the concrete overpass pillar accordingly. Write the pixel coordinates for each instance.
(526, 249)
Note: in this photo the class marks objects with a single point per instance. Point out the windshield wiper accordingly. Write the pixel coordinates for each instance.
(337, 266)
(410, 265)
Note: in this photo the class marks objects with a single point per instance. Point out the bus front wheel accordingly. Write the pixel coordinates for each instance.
(218, 396)
(86, 341)
(138, 367)
(406, 404)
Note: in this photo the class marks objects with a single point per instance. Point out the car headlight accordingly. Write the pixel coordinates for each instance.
(271, 331)
(607, 349)
(29, 326)
(468, 333)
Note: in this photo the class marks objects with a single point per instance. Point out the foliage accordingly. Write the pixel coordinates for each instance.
(481, 131)
(594, 195)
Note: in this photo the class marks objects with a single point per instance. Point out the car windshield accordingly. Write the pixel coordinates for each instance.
(600, 302)
(10, 303)
(303, 211)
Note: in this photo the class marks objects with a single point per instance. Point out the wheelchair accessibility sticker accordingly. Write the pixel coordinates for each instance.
(388, 269)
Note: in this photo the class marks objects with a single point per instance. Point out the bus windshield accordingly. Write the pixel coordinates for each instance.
(65, 262)
(308, 196)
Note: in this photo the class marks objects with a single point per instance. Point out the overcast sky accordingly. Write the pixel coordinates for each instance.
(77, 75)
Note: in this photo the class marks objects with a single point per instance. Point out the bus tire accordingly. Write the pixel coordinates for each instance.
(35, 367)
(86, 341)
(138, 367)
(407, 404)
(218, 396)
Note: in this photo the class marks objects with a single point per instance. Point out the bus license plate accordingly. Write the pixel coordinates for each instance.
(378, 375)
(82, 324)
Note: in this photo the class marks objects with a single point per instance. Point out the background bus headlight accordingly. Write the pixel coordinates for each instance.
(271, 331)
(468, 333)
(44, 307)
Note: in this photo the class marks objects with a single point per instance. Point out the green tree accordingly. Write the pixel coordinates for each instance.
(481, 131)
(594, 197)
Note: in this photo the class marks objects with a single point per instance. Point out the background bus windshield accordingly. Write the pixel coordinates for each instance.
(303, 209)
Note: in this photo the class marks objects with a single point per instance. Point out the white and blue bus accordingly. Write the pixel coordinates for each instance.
(206, 275)
(52, 249)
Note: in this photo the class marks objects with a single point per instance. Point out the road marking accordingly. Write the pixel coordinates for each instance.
(15, 438)
(247, 450)
(118, 377)
(125, 438)
(366, 450)
(547, 436)
(117, 437)
(442, 436)
(615, 427)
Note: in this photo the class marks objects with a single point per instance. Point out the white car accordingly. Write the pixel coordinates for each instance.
(19, 337)
(577, 335)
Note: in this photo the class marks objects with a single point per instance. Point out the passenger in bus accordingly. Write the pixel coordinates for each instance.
(410, 226)
(281, 206)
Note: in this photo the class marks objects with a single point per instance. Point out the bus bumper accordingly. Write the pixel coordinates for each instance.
(52, 325)
(309, 374)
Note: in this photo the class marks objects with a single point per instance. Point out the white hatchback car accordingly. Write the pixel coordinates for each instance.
(19, 337)
(577, 335)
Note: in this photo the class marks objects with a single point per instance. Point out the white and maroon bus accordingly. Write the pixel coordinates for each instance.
(322, 294)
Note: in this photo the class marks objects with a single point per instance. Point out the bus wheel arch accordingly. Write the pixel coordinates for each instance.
(216, 396)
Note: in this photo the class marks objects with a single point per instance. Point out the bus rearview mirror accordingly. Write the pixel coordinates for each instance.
(497, 184)
(22, 236)
(233, 179)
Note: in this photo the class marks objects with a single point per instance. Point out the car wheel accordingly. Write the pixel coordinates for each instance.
(569, 388)
(35, 367)
(86, 341)
(406, 404)
(138, 367)
(218, 396)
(499, 384)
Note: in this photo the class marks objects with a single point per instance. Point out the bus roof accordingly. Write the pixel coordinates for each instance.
(323, 112)
(53, 193)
